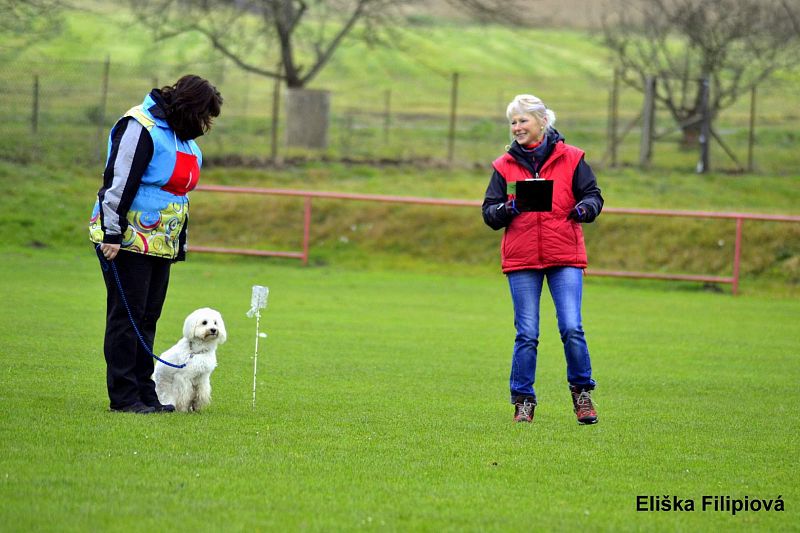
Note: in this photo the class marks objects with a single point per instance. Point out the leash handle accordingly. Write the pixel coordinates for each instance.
(105, 264)
(103, 261)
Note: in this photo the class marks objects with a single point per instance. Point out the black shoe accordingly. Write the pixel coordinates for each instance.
(163, 407)
(157, 405)
(138, 408)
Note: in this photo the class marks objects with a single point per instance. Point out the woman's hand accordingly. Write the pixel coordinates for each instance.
(511, 207)
(109, 250)
(578, 213)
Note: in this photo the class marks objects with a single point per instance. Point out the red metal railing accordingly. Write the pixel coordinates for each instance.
(733, 280)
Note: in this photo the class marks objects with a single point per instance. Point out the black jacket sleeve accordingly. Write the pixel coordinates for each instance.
(495, 214)
(586, 192)
(130, 154)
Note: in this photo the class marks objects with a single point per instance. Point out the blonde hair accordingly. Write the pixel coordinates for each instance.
(531, 105)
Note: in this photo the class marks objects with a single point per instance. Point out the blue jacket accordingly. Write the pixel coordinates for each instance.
(138, 207)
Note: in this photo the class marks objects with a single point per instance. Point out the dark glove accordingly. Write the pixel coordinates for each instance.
(578, 213)
(511, 207)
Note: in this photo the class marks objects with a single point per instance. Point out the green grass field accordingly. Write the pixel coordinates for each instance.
(382, 404)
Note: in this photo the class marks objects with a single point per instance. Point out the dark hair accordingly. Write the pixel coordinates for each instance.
(191, 105)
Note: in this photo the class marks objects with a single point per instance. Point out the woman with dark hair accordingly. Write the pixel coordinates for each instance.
(139, 223)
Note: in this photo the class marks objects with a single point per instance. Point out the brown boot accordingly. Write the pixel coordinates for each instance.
(583, 405)
(523, 408)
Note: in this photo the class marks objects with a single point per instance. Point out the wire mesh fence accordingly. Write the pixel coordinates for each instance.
(64, 110)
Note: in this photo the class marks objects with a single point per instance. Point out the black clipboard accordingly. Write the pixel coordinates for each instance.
(534, 195)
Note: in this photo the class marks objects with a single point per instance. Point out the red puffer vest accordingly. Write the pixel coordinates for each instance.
(536, 240)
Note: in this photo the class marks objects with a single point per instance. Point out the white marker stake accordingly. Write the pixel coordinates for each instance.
(258, 301)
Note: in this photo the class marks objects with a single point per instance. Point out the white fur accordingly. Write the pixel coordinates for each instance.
(189, 388)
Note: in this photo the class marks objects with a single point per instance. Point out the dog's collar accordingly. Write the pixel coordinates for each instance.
(189, 357)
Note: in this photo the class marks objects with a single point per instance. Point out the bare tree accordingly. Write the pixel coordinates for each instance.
(299, 35)
(735, 43)
(290, 40)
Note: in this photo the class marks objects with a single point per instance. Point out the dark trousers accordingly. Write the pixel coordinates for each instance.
(129, 368)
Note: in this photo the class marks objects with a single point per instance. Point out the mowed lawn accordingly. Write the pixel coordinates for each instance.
(382, 405)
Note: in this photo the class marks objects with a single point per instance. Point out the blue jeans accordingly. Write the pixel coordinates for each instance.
(566, 288)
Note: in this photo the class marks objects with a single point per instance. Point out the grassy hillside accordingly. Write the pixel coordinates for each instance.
(49, 207)
(55, 171)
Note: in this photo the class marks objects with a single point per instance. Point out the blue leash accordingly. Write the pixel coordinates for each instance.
(104, 264)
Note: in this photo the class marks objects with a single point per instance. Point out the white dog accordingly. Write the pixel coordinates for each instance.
(189, 388)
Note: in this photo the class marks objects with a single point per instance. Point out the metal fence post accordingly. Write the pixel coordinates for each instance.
(648, 117)
(35, 110)
(276, 108)
(347, 134)
(705, 127)
(101, 111)
(751, 134)
(387, 115)
(246, 96)
(306, 230)
(737, 255)
(613, 112)
(451, 136)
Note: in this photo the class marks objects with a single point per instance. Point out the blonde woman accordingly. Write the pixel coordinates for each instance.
(542, 241)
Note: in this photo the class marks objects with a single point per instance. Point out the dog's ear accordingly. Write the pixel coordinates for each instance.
(223, 334)
(189, 325)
